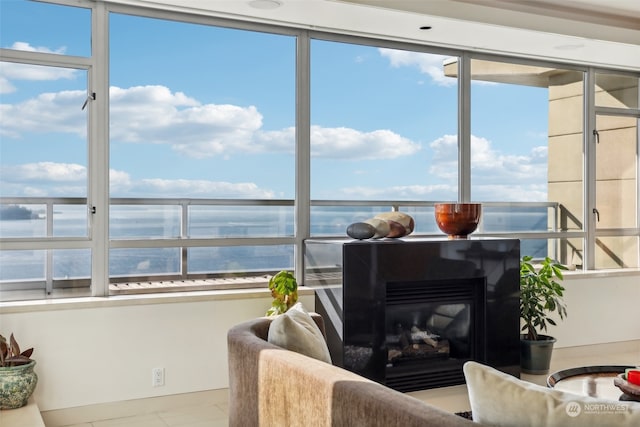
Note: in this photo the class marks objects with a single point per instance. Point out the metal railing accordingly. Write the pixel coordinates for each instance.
(183, 238)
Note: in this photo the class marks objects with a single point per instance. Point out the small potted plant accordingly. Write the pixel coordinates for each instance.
(540, 295)
(17, 378)
(284, 290)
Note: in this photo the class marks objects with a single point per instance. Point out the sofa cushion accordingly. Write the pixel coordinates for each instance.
(295, 330)
(499, 399)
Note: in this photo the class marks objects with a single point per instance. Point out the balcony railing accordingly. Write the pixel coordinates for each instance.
(181, 231)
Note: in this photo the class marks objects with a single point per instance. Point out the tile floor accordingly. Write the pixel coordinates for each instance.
(213, 415)
(452, 399)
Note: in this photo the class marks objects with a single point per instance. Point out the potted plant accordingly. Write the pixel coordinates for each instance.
(17, 378)
(284, 290)
(540, 295)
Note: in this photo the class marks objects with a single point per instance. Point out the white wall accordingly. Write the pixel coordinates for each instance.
(104, 354)
(600, 309)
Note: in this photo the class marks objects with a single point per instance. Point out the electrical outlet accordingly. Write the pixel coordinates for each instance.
(157, 377)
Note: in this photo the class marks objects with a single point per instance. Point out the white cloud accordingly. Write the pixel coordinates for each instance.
(70, 180)
(345, 143)
(428, 63)
(445, 158)
(201, 189)
(400, 192)
(283, 140)
(123, 186)
(15, 71)
(120, 182)
(5, 84)
(540, 154)
(489, 166)
(495, 175)
(11, 71)
(42, 179)
(44, 171)
(48, 112)
(24, 46)
(155, 115)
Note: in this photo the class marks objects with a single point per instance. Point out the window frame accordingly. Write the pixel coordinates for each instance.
(591, 112)
(98, 198)
(49, 242)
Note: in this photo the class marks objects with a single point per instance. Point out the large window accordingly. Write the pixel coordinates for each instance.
(223, 145)
(616, 211)
(527, 147)
(199, 113)
(44, 144)
(383, 127)
(616, 195)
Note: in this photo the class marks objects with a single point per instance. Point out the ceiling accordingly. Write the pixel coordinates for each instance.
(542, 15)
(597, 32)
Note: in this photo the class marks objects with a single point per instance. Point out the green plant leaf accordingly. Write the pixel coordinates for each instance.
(284, 290)
(540, 294)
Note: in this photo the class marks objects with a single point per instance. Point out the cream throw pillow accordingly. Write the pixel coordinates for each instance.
(499, 399)
(295, 330)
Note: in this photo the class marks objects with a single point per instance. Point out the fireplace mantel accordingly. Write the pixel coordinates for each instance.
(371, 292)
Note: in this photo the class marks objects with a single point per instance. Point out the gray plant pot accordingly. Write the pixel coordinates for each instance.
(535, 356)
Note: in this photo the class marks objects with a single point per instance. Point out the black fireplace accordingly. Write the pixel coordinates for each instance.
(410, 312)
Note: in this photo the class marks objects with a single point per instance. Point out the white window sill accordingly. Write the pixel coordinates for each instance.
(577, 274)
(208, 295)
(137, 299)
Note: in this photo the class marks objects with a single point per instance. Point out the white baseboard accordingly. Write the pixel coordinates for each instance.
(127, 408)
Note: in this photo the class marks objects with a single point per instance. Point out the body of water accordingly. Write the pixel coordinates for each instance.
(153, 222)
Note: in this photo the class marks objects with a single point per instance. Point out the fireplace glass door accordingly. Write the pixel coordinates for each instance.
(433, 327)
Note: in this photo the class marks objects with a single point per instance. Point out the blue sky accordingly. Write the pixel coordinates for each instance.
(204, 112)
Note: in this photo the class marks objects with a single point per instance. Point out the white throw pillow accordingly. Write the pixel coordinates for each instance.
(500, 399)
(295, 330)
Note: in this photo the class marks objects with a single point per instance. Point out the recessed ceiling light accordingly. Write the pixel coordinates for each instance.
(265, 4)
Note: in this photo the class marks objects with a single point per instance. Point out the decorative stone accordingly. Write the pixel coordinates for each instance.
(361, 230)
(382, 227)
(16, 385)
(400, 223)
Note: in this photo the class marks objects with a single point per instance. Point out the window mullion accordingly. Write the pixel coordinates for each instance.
(589, 258)
(302, 222)
(464, 129)
(99, 152)
(638, 182)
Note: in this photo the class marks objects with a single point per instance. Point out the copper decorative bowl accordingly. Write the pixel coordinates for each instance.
(458, 220)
